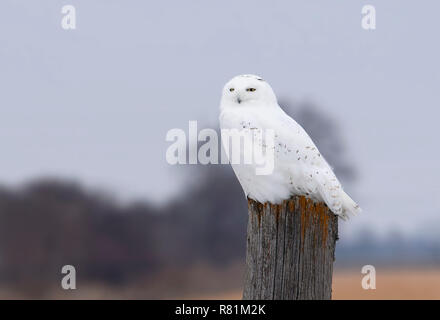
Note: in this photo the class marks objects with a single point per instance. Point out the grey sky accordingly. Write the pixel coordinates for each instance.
(95, 103)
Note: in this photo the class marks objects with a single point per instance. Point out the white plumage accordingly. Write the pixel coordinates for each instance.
(249, 104)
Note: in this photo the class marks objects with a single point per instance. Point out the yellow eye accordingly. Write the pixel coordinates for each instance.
(251, 89)
(231, 89)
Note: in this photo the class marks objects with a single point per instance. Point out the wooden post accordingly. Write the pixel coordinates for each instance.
(290, 250)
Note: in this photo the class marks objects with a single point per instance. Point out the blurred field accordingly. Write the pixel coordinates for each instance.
(390, 284)
(207, 283)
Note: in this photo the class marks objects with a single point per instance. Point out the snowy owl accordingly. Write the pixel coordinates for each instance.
(249, 104)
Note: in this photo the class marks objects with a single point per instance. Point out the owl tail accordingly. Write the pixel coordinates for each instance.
(349, 207)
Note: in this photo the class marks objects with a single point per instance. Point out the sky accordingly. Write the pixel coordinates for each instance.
(95, 103)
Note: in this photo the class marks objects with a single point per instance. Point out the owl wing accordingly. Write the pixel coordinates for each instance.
(309, 171)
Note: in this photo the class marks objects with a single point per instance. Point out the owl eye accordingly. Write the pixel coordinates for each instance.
(231, 89)
(251, 89)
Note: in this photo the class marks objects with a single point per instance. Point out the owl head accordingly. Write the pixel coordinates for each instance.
(247, 90)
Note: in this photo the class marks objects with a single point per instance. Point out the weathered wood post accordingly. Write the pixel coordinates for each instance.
(290, 250)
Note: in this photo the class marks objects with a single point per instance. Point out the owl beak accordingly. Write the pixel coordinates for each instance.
(238, 100)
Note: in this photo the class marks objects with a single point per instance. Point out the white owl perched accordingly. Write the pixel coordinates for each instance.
(249, 104)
